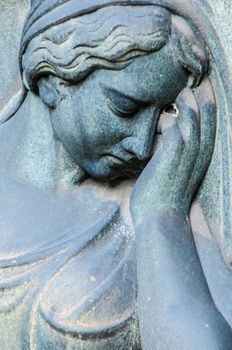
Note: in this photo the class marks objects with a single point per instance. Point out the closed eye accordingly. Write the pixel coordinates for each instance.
(121, 105)
(125, 111)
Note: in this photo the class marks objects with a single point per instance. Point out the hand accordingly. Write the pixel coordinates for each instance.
(170, 179)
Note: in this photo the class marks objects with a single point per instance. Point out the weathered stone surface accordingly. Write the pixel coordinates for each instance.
(12, 17)
(115, 167)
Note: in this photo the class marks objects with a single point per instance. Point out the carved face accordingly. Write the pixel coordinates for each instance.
(108, 122)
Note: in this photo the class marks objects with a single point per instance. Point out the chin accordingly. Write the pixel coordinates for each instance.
(105, 176)
(106, 171)
(101, 172)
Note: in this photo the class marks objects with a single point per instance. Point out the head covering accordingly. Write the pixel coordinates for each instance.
(108, 38)
(48, 13)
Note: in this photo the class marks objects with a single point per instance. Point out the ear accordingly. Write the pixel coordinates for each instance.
(49, 91)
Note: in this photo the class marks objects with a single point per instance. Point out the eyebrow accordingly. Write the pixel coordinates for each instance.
(132, 99)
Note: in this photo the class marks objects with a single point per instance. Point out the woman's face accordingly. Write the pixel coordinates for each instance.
(108, 122)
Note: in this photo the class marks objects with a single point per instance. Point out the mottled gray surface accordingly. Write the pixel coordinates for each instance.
(222, 20)
(12, 16)
(69, 272)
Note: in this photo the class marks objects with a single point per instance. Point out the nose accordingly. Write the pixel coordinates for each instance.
(141, 140)
(138, 149)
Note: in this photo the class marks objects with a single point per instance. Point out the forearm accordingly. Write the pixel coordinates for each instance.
(176, 310)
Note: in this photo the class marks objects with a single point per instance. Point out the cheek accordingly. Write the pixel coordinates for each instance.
(86, 128)
(67, 129)
(102, 128)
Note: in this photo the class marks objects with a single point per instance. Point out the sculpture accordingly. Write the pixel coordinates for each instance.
(101, 79)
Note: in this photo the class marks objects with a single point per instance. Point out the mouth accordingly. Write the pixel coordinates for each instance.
(120, 159)
(122, 165)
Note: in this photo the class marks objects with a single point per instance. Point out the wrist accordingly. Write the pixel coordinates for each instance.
(158, 215)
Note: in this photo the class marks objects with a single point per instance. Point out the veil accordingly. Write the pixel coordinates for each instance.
(215, 193)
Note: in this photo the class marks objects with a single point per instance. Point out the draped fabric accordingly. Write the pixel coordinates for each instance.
(67, 267)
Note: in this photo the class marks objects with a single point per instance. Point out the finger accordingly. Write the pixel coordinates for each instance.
(188, 121)
(181, 135)
(164, 160)
(169, 128)
(206, 103)
(207, 106)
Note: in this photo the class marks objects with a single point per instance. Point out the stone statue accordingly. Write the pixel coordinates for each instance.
(109, 156)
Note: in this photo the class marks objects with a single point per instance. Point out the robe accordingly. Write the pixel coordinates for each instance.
(67, 271)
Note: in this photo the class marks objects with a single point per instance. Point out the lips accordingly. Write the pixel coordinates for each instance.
(122, 158)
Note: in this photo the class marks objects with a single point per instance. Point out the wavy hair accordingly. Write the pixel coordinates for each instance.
(111, 38)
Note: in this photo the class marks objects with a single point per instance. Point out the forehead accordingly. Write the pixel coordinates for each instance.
(148, 78)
